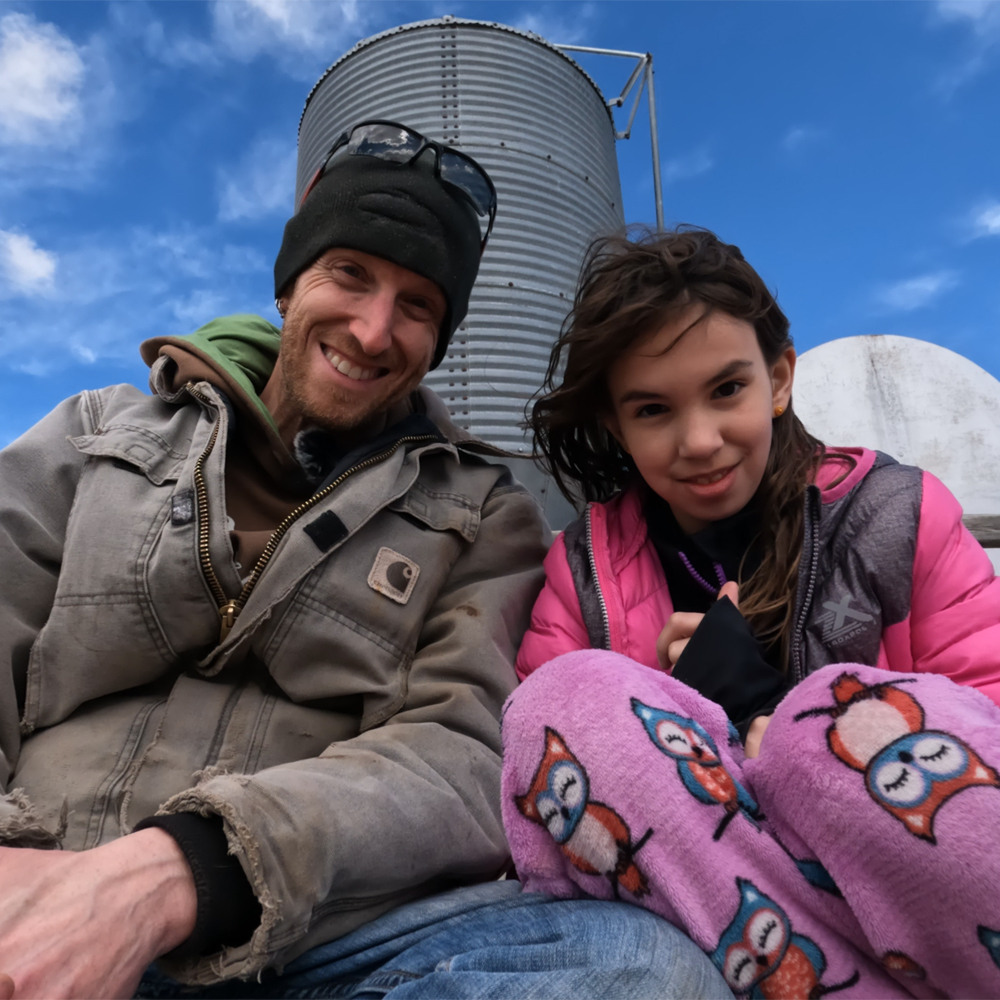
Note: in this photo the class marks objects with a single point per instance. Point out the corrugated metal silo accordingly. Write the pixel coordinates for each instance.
(540, 126)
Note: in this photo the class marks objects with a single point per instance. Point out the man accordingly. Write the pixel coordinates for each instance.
(257, 630)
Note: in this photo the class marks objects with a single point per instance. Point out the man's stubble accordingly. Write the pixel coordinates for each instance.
(333, 409)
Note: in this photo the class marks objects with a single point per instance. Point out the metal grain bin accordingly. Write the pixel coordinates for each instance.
(540, 126)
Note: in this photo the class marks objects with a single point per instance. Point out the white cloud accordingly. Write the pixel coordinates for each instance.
(795, 138)
(290, 30)
(262, 184)
(982, 19)
(986, 220)
(200, 305)
(685, 167)
(915, 293)
(301, 36)
(26, 269)
(58, 106)
(174, 50)
(113, 290)
(982, 16)
(41, 76)
(552, 23)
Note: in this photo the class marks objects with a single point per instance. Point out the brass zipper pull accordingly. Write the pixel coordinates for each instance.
(228, 612)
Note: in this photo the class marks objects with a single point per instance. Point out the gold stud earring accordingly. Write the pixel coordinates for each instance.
(778, 410)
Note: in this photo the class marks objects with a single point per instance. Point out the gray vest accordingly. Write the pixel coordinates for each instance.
(855, 574)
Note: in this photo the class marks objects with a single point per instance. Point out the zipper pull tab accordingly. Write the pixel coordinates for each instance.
(229, 612)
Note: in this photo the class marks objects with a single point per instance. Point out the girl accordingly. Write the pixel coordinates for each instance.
(832, 597)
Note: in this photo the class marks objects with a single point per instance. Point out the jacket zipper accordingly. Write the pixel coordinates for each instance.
(811, 528)
(229, 610)
(201, 498)
(597, 582)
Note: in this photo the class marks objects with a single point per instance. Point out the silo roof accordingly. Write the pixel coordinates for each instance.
(452, 22)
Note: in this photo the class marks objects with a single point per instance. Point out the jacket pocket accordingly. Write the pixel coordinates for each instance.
(354, 624)
(439, 511)
(136, 446)
(102, 634)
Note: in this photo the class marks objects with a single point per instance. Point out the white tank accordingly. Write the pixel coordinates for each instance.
(920, 403)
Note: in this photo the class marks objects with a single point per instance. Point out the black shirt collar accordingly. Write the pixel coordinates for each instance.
(724, 542)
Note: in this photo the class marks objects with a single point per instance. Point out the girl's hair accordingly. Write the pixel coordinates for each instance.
(630, 285)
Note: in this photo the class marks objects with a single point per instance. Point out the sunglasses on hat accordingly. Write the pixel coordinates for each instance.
(400, 144)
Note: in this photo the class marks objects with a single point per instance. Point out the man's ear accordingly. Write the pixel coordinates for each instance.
(613, 427)
(782, 376)
(281, 304)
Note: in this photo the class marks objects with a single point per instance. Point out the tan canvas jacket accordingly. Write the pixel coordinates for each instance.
(346, 730)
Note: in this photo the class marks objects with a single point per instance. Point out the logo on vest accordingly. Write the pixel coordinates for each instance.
(393, 575)
(843, 622)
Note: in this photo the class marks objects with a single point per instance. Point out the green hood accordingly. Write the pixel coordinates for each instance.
(244, 346)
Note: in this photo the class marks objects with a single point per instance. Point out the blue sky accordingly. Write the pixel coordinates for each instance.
(147, 161)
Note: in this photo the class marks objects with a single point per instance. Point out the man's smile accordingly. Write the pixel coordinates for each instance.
(359, 373)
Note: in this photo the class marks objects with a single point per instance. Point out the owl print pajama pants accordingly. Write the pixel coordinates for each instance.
(858, 854)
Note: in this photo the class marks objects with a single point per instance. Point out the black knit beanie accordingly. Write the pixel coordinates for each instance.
(402, 213)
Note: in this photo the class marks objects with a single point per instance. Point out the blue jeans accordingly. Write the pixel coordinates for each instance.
(489, 941)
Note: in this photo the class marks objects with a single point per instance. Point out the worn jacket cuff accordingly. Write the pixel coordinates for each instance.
(228, 910)
(20, 826)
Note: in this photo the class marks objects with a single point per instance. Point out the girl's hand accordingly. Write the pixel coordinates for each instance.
(755, 734)
(681, 626)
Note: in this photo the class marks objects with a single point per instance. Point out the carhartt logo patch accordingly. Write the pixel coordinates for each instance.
(393, 575)
(843, 621)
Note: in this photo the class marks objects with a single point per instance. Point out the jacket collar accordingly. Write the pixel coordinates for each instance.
(622, 524)
(431, 404)
(842, 470)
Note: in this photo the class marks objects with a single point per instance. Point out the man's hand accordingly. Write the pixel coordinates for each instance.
(88, 924)
(755, 734)
(681, 626)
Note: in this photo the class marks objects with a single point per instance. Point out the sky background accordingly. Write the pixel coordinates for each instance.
(147, 158)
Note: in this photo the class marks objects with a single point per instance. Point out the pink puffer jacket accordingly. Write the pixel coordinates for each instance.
(889, 576)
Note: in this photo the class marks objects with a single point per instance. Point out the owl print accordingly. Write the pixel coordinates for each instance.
(698, 763)
(760, 956)
(990, 940)
(909, 771)
(593, 836)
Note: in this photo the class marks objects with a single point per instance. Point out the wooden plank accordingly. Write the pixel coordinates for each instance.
(985, 528)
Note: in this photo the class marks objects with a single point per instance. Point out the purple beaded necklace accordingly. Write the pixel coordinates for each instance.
(699, 579)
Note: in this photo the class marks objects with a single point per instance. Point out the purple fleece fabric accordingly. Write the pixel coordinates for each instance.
(856, 855)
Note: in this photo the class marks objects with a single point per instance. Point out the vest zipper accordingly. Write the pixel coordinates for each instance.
(229, 610)
(809, 535)
(597, 582)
